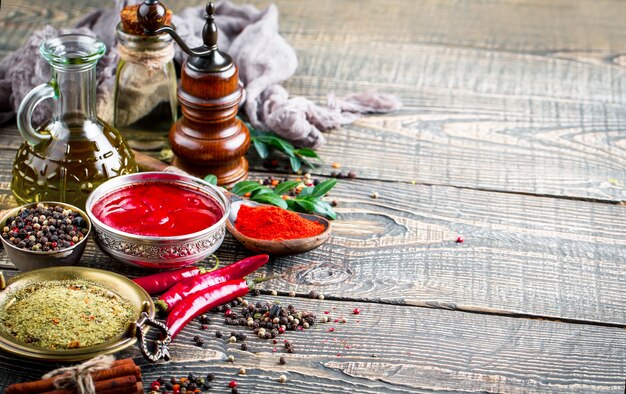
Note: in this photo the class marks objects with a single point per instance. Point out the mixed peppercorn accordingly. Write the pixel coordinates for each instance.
(45, 228)
(188, 384)
(265, 319)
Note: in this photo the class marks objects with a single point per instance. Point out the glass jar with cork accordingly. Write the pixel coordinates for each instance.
(145, 85)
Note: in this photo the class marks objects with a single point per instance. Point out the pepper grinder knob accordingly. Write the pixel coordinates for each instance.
(209, 31)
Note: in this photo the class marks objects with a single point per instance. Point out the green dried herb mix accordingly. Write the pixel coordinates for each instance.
(65, 314)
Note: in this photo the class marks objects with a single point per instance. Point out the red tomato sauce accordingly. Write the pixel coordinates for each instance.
(158, 210)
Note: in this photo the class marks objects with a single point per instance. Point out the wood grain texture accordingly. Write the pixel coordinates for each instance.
(416, 350)
(525, 110)
(514, 111)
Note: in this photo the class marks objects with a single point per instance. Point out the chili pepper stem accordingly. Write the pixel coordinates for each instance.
(216, 266)
(253, 282)
(161, 306)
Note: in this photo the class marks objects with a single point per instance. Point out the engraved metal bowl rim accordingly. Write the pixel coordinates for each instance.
(14, 211)
(101, 277)
(116, 183)
(157, 262)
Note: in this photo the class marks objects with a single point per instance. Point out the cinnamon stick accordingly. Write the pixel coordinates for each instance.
(115, 372)
(137, 389)
(119, 368)
(123, 382)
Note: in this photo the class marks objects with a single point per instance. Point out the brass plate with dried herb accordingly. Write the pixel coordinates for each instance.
(70, 313)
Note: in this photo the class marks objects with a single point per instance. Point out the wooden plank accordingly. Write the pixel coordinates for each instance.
(416, 350)
(531, 26)
(544, 121)
(522, 254)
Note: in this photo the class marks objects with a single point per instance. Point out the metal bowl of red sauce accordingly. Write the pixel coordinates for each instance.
(158, 220)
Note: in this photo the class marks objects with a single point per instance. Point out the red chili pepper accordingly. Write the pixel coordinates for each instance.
(185, 288)
(203, 301)
(158, 283)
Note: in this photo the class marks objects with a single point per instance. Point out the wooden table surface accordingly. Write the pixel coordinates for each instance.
(512, 136)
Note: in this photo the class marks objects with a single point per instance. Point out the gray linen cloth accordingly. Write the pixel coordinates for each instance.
(249, 35)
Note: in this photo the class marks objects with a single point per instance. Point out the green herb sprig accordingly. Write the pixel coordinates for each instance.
(309, 200)
(298, 157)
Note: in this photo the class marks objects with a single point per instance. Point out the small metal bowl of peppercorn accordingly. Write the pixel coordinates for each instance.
(158, 220)
(44, 234)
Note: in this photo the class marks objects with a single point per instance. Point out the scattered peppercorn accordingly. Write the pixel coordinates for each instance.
(218, 334)
(282, 378)
(313, 294)
(460, 240)
(282, 361)
(231, 358)
(242, 371)
(351, 174)
(274, 292)
(374, 195)
(244, 347)
(356, 311)
(198, 340)
(232, 384)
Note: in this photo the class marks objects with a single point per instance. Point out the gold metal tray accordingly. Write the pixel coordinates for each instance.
(143, 314)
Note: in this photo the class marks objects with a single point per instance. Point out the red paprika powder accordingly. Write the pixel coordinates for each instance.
(274, 223)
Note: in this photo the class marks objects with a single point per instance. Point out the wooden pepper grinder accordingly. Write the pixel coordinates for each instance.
(208, 139)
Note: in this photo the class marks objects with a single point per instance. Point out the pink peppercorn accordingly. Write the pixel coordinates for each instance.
(356, 311)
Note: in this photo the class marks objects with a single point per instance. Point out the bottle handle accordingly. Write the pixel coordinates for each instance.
(27, 106)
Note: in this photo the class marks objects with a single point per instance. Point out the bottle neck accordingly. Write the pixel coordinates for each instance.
(76, 89)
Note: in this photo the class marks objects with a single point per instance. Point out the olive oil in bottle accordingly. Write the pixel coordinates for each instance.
(76, 151)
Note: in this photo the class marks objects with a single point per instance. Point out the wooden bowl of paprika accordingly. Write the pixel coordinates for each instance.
(267, 229)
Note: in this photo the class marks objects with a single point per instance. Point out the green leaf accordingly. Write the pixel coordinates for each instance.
(291, 203)
(307, 191)
(307, 152)
(296, 164)
(278, 143)
(261, 147)
(324, 187)
(271, 199)
(212, 179)
(307, 206)
(306, 162)
(244, 187)
(262, 190)
(323, 208)
(284, 187)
